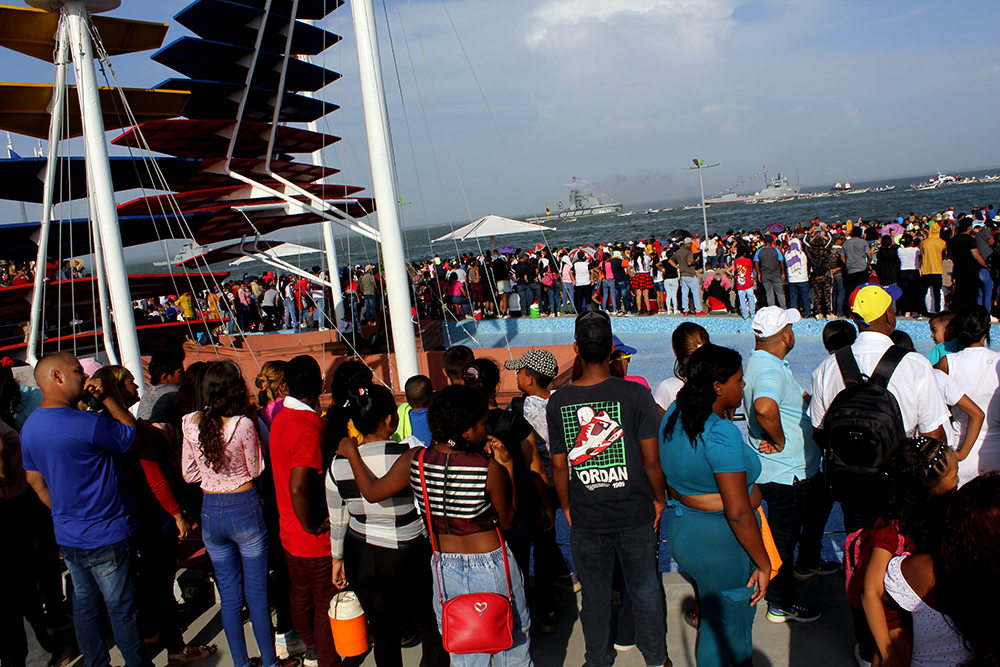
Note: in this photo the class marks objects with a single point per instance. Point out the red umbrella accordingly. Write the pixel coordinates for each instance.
(586, 249)
(539, 247)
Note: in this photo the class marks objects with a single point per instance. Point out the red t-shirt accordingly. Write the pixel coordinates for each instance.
(743, 268)
(296, 441)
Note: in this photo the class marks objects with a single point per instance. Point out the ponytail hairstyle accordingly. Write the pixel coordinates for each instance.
(708, 365)
(222, 392)
(687, 338)
(971, 324)
(348, 378)
(369, 406)
(912, 474)
(968, 570)
(269, 381)
(453, 411)
(483, 376)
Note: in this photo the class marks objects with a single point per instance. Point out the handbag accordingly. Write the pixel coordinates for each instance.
(474, 622)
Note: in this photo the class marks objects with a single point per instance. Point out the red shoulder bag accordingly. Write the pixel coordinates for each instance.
(474, 622)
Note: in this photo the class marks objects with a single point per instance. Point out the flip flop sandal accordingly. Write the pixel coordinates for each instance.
(190, 655)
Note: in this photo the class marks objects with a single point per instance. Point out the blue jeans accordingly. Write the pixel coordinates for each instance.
(553, 291)
(105, 573)
(838, 294)
(689, 284)
(624, 296)
(594, 556)
(371, 307)
(609, 295)
(704, 545)
(799, 296)
(670, 291)
(568, 296)
(747, 302)
(291, 314)
(484, 573)
(232, 527)
(985, 298)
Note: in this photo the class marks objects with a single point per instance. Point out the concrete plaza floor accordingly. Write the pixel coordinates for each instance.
(826, 642)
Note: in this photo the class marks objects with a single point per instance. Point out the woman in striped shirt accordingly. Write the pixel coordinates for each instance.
(470, 488)
(381, 548)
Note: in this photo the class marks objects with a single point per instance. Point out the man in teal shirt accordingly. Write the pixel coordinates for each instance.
(781, 431)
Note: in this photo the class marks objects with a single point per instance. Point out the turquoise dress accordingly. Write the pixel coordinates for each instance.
(703, 543)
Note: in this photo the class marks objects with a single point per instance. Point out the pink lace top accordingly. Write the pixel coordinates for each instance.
(243, 463)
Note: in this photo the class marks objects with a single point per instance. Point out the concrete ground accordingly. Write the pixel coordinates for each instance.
(826, 642)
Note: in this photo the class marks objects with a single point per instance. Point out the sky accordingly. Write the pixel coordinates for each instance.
(495, 105)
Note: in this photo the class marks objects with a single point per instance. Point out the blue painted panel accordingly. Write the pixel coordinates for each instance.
(218, 100)
(218, 61)
(225, 21)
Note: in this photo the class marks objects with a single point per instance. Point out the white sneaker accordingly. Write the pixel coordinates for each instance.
(288, 644)
(857, 656)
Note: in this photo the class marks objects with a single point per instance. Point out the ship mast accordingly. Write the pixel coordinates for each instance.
(74, 29)
(377, 128)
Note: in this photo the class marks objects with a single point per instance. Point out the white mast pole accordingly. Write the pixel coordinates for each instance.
(376, 125)
(102, 282)
(99, 168)
(55, 127)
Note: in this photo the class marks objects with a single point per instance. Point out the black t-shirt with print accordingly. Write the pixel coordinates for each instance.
(599, 428)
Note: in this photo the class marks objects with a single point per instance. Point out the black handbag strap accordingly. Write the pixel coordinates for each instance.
(430, 531)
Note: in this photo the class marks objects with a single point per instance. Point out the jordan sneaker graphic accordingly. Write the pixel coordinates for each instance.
(597, 433)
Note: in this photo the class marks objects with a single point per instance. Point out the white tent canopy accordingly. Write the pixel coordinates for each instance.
(274, 251)
(492, 226)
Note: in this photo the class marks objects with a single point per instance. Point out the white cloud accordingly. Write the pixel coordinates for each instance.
(691, 27)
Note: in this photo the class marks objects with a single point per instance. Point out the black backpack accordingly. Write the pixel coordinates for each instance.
(862, 426)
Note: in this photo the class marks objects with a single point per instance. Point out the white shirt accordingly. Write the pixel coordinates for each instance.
(935, 642)
(666, 391)
(908, 258)
(921, 403)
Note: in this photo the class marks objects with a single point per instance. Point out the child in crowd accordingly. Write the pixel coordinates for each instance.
(743, 271)
(838, 334)
(413, 427)
(943, 334)
(954, 397)
(920, 476)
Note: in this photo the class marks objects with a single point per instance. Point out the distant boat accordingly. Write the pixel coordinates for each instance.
(934, 182)
(582, 203)
(187, 252)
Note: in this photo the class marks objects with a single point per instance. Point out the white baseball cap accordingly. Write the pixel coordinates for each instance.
(770, 320)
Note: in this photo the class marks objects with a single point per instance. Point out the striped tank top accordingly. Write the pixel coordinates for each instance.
(456, 489)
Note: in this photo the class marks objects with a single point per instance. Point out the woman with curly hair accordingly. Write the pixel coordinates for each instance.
(974, 368)
(920, 475)
(967, 571)
(222, 453)
(712, 526)
(471, 556)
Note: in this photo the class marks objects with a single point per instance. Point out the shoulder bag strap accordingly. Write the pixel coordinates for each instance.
(427, 517)
(430, 529)
(887, 364)
(848, 365)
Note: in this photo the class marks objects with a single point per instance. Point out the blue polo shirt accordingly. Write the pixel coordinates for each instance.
(79, 455)
(767, 376)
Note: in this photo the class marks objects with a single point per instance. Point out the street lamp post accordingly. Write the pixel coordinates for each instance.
(699, 165)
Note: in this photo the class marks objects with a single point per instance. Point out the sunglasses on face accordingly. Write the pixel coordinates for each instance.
(624, 357)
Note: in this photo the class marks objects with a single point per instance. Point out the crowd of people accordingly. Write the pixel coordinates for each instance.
(414, 505)
(814, 267)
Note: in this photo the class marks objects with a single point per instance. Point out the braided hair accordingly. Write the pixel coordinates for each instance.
(709, 364)
(912, 474)
(452, 412)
